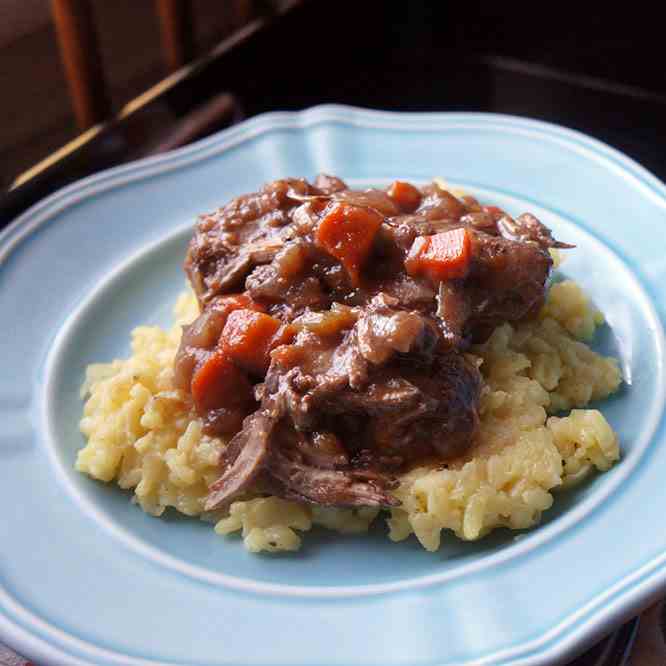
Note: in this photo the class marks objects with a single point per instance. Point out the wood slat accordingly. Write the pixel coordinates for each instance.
(177, 33)
(79, 49)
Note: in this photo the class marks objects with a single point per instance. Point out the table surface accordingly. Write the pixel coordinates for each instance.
(417, 72)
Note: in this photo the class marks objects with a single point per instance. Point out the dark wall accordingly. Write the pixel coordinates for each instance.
(622, 42)
(600, 73)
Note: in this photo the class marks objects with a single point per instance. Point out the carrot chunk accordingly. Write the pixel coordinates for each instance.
(217, 383)
(230, 302)
(444, 256)
(284, 336)
(347, 233)
(247, 338)
(405, 195)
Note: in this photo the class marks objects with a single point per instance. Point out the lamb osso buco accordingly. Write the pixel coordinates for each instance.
(350, 352)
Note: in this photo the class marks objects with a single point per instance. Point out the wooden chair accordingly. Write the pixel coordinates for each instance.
(79, 49)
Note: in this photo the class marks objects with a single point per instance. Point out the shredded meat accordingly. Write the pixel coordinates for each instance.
(364, 370)
(242, 460)
(242, 234)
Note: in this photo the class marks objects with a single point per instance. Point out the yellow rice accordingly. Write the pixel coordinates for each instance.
(143, 434)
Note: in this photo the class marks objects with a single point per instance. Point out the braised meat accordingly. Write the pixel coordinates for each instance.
(334, 327)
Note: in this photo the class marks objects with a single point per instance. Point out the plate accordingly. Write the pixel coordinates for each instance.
(87, 578)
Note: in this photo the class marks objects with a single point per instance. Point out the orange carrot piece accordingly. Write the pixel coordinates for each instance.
(230, 302)
(284, 335)
(247, 338)
(444, 256)
(287, 356)
(347, 233)
(217, 382)
(405, 195)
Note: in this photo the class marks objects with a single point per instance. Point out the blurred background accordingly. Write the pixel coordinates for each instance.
(37, 113)
(69, 65)
(89, 84)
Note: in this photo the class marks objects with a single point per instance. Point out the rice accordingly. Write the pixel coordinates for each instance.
(143, 434)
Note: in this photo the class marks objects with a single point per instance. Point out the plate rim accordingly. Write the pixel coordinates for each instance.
(648, 576)
(532, 540)
(347, 114)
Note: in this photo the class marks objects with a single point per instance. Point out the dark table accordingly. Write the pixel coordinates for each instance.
(376, 55)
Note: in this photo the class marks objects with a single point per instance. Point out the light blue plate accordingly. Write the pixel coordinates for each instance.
(87, 578)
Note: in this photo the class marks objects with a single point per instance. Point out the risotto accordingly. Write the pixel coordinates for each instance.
(143, 434)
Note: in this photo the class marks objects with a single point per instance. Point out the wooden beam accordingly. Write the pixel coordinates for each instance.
(176, 29)
(79, 51)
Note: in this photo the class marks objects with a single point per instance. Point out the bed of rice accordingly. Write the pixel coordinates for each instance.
(142, 434)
